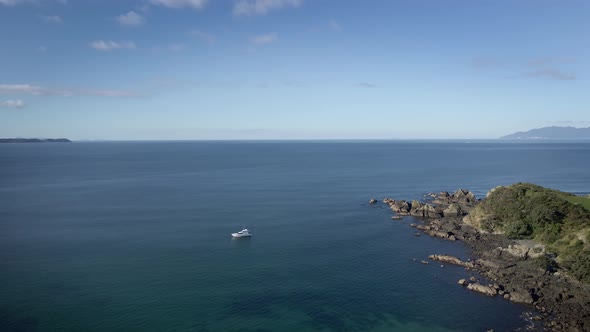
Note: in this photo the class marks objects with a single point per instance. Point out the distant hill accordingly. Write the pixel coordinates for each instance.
(551, 133)
(34, 140)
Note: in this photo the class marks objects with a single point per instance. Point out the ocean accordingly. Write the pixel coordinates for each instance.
(135, 236)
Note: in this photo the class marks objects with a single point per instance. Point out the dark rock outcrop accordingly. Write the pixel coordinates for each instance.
(451, 260)
(464, 196)
(453, 210)
(487, 290)
(521, 297)
(423, 210)
(400, 207)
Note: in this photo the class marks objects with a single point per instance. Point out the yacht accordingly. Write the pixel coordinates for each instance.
(243, 233)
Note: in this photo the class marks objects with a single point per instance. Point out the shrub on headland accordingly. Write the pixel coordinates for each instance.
(528, 211)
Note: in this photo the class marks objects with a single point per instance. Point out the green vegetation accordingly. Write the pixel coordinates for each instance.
(559, 220)
(579, 200)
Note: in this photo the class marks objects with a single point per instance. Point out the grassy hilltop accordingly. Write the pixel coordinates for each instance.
(559, 220)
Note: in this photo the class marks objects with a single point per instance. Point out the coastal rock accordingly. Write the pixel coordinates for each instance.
(462, 282)
(521, 297)
(396, 217)
(516, 251)
(400, 207)
(481, 221)
(423, 210)
(445, 235)
(453, 210)
(487, 290)
(451, 260)
(372, 201)
(443, 198)
(414, 207)
(489, 264)
(428, 211)
(423, 227)
(464, 196)
(524, 249)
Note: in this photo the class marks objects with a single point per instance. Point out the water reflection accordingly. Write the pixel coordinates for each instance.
(242, 242)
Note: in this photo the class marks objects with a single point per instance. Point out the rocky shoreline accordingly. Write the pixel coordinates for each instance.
(516, 267)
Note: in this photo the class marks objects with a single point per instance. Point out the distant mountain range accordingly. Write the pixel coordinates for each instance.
(34, 140)
(551, 133)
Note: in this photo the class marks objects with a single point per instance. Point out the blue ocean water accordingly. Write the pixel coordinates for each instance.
(134, 236)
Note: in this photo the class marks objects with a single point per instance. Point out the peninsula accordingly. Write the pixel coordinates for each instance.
(34, 140)
(532, 242)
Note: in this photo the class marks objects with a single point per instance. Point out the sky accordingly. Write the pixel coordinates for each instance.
(291, 69)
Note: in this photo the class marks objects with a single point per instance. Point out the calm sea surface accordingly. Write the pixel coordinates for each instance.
(135, 236)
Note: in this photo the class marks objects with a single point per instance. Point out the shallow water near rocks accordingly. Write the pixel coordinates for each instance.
(135, 236)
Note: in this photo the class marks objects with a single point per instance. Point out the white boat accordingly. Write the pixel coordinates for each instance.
(243, 233)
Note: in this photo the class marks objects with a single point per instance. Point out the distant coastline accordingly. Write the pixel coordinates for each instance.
(34, 140)
(551, 133)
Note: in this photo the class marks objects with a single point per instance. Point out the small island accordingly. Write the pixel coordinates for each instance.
(532, 242)
(34, 140)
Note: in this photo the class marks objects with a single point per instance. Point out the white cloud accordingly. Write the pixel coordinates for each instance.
(35, 90)
(176, 47)
(550, 73)
(109, 45)
(206, 37)
(131, 19)
(12, 2)
(368, 85)
(24, 89)
(539, 62)
(196, 4)
(17, 103)
(51, 19)
(106, 93)
(18, 2)
(41, 49)
(262, 7)
(265, 39)
(334, 25)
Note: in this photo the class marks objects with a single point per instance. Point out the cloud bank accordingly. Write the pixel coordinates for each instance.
(51, 19)
(16, 103)
(551, 73)
(131, 19)
(109, 45)
(262, 7)
(27, 89)
(264, 39)
(195, 4)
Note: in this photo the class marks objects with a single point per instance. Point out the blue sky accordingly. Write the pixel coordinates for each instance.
(291, 69)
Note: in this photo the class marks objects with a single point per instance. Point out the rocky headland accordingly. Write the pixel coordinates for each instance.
(529, 241)
(34, 140)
